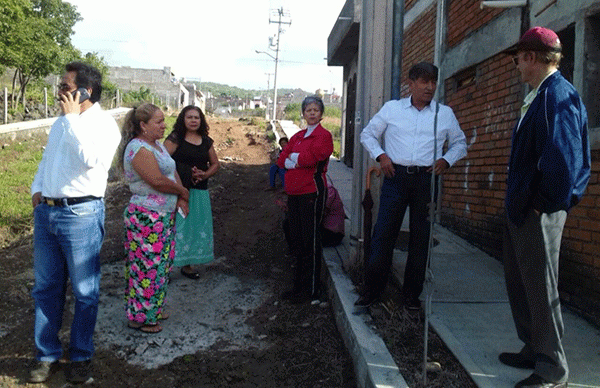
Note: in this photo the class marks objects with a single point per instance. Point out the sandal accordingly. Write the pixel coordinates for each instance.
(191, 275)
(150, 329)
(164, 316)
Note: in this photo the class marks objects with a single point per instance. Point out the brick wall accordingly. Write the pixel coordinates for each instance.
(486, 99)
(580, 253)
(419, 43)
(464, 17)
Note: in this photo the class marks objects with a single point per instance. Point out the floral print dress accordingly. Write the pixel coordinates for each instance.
(150, 238)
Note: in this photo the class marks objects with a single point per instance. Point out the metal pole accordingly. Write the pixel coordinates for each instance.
(279, 22)
(276, 63)
(45, 102)
(268, 87)
(5, 105)
(429, 273)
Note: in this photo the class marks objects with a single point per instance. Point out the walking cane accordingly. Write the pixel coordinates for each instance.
(429, 273)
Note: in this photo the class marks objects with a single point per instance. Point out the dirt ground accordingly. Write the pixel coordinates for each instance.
(227, 329)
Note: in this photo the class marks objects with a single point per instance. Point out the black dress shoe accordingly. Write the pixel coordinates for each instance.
(412, 304)
(42, 371)
(516, 360)
(78, 372)
(535, 381)
(366, 300)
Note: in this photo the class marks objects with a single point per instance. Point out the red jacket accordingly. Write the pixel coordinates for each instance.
(314, 152)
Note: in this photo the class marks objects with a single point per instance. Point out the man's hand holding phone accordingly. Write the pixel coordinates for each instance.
(70, 101)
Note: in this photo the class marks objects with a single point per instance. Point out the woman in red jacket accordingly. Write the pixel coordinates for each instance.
(305, 158)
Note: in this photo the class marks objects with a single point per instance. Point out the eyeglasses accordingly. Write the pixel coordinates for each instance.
(516, 60)
(63, 87)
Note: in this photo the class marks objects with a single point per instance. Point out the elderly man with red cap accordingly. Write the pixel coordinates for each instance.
(548, 172)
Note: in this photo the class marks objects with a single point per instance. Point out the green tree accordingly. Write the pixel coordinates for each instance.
(12, 21)
(40, 41)
(133, 97)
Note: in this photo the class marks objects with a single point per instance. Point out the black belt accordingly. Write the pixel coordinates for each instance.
(68, 201)
(411, 169)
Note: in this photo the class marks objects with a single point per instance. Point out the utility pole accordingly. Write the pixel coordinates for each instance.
(268, 88)
(279, 14)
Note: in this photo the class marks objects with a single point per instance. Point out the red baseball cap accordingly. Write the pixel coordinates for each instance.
(538, 39)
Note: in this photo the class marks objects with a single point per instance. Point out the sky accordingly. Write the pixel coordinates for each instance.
(215, 40)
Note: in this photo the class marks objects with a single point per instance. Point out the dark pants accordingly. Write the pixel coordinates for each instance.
(331, 239)
(305, 213)
(397, 193)
(531, 257)
(328, 238)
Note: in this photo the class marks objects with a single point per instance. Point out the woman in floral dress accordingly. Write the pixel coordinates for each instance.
(150, 216)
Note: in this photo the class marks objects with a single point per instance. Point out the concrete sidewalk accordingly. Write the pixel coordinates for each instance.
(470, 312)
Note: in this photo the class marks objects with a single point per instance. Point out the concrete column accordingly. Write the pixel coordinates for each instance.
(373, 90)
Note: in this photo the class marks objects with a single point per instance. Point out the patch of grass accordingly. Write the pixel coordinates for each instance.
(19, 161)
(336, 148)
(259, 122)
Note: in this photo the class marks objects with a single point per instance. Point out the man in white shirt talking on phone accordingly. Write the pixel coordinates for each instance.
(67, 197)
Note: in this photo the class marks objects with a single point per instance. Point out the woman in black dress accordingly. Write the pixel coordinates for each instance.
(196, 159)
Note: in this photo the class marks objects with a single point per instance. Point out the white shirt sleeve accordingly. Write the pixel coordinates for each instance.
(290, 164)
(371, 134)
(457, 143)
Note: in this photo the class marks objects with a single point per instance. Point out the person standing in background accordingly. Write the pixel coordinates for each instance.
(67, 197)
(149, 217)
(548, 172)
(196, 160)
(401, 138)
(306, 158)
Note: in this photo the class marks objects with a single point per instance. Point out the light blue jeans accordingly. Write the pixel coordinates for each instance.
(67, 242)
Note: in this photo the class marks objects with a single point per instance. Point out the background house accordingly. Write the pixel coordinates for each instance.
(377, 41)
(161, 82)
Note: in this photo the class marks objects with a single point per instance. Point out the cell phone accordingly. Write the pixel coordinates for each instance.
(83, 94)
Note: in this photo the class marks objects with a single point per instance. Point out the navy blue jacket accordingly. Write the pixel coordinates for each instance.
(549, 165)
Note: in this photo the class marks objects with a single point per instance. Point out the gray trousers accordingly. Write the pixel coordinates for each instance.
(531, 256)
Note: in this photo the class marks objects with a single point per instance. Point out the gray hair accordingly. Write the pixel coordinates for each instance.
(313, 99)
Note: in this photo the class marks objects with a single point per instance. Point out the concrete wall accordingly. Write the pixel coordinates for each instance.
(23, 130)
(161, 82)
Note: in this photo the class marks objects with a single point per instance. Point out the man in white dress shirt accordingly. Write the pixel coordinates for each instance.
(401, 138)
(67, 197)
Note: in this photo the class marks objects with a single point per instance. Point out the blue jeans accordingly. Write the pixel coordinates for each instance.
(67, 242)
(397, 193)
(273, 172)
